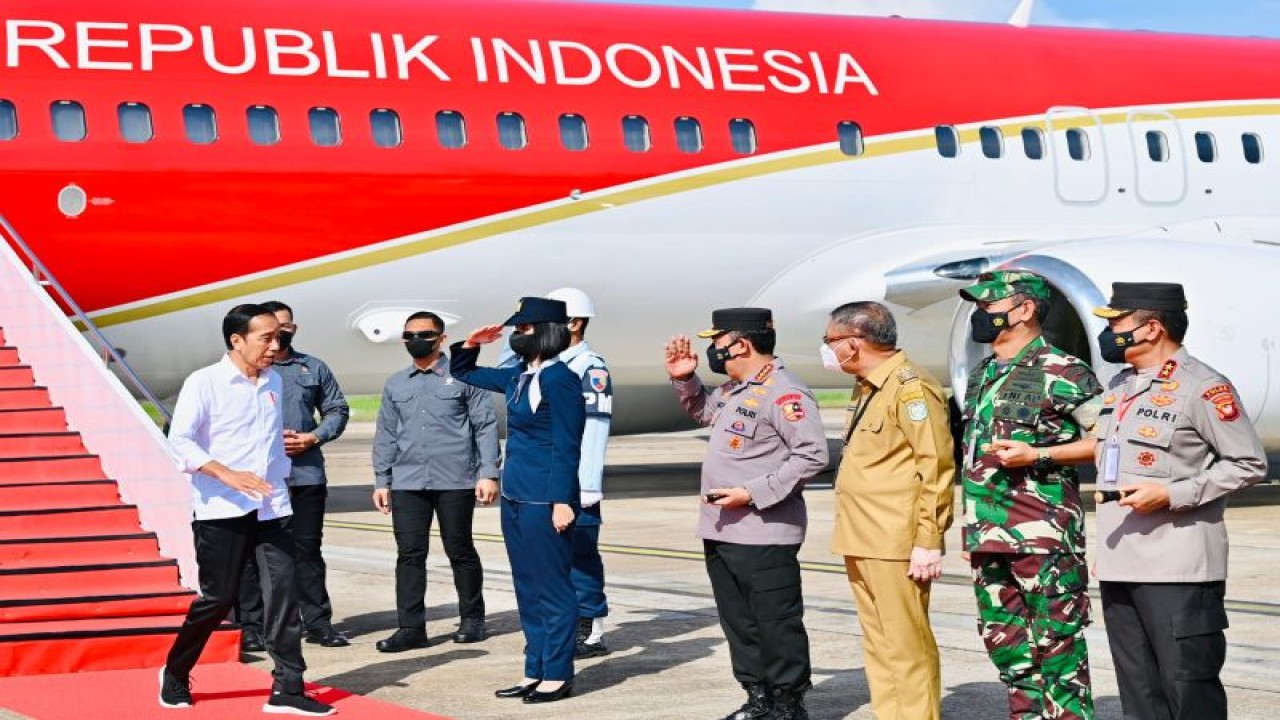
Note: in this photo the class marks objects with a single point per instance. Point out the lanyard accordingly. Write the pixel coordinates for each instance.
(1110, 479)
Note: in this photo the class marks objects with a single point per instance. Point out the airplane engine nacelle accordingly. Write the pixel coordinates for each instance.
(1228, 328)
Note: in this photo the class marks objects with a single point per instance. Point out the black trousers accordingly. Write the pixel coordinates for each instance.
(222, 549)
(1168, 647)
(758, 597)
(411, 512)
(306, 525)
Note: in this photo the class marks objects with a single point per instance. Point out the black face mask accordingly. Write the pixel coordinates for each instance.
(285, 340)
(985, 327)
(419, 348)
(525, 346)
(717, 357)
(1113, 344)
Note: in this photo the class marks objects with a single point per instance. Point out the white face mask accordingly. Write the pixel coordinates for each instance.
(829, 359)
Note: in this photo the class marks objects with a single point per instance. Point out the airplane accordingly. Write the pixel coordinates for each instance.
(363, 160)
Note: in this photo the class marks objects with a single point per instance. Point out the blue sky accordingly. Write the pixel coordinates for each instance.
(1217, 17)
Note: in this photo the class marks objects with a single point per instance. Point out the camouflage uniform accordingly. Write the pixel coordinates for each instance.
(1024, 526)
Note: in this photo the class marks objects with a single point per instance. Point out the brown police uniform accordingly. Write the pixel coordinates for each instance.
(766, 436)
(1163, 574)
(895, 492)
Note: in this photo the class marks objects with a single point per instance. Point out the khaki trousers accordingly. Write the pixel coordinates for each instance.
(901, 655)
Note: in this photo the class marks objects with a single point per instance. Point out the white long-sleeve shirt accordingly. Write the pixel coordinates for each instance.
(223, 415)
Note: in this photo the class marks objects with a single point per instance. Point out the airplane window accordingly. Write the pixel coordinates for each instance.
(992, 142)
(1157, 146)
(688, 135)
(742, 133)
(201, 124)
(1078, 144)
(135, 122)
(68, 120)
(8, 120)
(1206, 147)
(451, 129)
(635, 133)
(1252, 147)
(326, 126)
(948, 140)
(264, 124)
(573, 132)
(850, 134)
(386, 128)
(1033, 143)
(512, 132)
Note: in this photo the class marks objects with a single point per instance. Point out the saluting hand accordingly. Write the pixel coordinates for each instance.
(483, 336)
(681, 361)
(1146, 497)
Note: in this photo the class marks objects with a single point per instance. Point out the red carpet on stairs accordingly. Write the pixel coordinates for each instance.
(222, 691)
(82, 586)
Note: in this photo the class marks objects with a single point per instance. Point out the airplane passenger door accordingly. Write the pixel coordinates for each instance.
(1079, 155)
(1159, 159)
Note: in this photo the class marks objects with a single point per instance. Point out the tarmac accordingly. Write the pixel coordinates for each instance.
(669, 658)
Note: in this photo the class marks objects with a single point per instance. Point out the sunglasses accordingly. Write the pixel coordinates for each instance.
(828, 340)
(423, 335)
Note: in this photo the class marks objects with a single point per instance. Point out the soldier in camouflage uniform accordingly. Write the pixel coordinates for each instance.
(1024, 521)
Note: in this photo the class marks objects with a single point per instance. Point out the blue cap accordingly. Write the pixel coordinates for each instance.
(534, 310)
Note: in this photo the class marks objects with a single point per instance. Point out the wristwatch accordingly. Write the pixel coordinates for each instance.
(1043, 461)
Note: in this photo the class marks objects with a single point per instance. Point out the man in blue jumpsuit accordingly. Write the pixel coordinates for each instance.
(597, 391)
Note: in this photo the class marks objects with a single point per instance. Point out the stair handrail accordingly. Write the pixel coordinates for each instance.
(110, 353)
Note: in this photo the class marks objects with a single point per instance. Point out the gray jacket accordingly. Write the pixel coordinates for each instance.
(434, 432)
(1184, 428)
(766, 436)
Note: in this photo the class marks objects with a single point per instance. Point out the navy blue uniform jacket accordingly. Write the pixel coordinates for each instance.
(543, 446)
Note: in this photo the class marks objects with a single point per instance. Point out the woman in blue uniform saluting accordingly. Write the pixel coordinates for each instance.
(546, 414)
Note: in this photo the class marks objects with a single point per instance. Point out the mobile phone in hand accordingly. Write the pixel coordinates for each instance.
(714, 496)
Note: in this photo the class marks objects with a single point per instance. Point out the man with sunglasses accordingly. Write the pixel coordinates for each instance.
(435, 452)
(1024, 524)
(893, 503)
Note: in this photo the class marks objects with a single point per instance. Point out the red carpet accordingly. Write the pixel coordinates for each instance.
(221, 691)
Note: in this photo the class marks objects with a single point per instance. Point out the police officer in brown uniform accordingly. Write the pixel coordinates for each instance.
(894, 497)
(766, 441)
(1172, 443)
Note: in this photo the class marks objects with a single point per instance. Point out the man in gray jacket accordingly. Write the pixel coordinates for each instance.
(435, 452)
(1172, 442)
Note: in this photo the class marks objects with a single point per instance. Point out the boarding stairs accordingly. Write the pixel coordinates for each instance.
(83, 584)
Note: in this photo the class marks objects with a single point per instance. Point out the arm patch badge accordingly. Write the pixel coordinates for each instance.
(1224, 401)
(917, 411)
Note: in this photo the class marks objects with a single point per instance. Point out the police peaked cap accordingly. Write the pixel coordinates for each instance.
(1127, 297)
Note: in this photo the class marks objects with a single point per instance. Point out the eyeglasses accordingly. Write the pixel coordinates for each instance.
(828, 340)
(423, 335)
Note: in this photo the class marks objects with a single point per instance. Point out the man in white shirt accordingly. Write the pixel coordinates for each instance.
(227, 431)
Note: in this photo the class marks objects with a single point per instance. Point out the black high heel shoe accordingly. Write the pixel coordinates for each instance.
(517, 691)
(559, 693)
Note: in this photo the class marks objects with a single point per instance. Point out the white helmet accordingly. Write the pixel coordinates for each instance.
(577, 303)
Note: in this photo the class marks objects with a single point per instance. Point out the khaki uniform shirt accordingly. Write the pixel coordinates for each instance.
(1184, 428)
(894, 489)
(766, 436)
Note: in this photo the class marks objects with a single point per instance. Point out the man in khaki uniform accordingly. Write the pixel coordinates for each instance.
(1172, 442)
(893, 503)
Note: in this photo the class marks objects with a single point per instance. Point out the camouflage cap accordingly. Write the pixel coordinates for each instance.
(1000, 284)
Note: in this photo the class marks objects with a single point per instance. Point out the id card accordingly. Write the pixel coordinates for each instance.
(1111, 464)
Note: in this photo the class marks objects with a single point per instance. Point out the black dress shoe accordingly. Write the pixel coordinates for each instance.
(327, 637)
(516, 691)
(251, 641)
(586, 649)
(403, 639)
(471, 631)
(559, 693)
